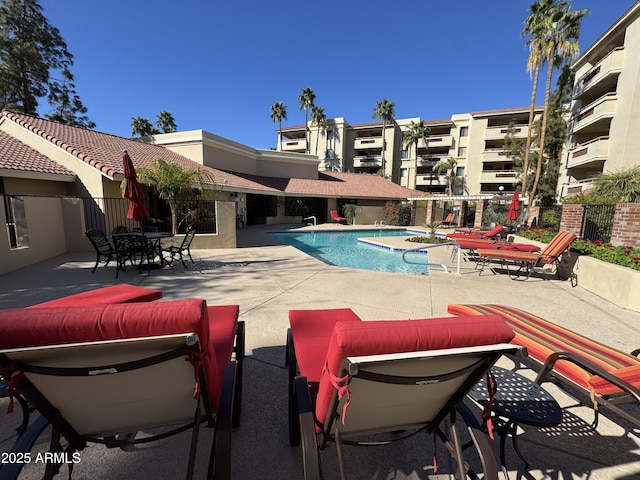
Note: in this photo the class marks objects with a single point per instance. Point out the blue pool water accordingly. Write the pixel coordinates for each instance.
(343, 249)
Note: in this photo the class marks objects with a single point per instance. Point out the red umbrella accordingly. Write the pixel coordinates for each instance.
(133, 191)
(514, 207)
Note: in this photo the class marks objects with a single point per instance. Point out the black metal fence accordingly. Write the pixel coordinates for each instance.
(597, 222)
(107, 213)
(549, 216)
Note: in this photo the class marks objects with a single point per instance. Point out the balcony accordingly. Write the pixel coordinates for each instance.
(438, 141)
(498, 133)
(590, 117)
(435, 180)
(368, 142)
(430, 160)
(368, 161)
(574, 188)
(297, 145)
(494, 155)
(597, 150)
(601, 73)
(498, 176)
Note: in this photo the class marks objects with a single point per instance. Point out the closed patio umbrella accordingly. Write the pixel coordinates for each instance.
(133, 191)
(514, 207)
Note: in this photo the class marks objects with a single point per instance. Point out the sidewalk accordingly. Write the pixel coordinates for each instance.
(267, 279)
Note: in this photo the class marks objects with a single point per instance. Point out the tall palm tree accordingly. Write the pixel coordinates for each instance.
(279, 113)
(142, 127)
(449, 167)
(305, 100)
(165, 122)
(561, 45)
(385, 111)
(534, 30)
(320, 119)
(417, 131)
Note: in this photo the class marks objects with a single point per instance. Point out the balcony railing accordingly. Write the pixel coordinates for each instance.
(601, 108)
(436, 141)
(494, 155)
(596, 150)
(431, 180)
(610, 65)
(368, 142)
(498, 133)
(498, 176)
(297, 145)
(369, 161)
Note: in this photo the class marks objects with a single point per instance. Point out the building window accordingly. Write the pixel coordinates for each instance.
(404, 172)
(404, 154)
(464, 131)
(16, 221)
(459, 171)
(462, 151)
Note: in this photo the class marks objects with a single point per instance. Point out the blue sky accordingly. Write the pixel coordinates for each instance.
(219, 66)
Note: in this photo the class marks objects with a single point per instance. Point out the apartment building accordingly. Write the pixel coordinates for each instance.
(605, 111)
(476, 141)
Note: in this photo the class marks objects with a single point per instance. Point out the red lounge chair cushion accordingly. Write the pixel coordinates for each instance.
(122, 293)
(493, 245)
(394, 336)
(223, 320)
(311, 330)
(542, 338)
(62, 325)
(480, 235)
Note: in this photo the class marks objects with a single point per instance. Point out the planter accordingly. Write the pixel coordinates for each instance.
(619, 285)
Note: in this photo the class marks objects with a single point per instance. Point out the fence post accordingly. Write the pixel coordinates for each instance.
(626, 225)
(572, 218)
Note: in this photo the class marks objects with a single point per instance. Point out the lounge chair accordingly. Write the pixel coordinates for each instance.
(605, 376)
(450, 220)
(100, 373)
(527, 262)
(361, 378)
(337, 219)
(493, 233)
(470, 248)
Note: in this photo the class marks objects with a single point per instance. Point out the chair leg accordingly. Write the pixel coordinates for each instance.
(220, 459)
(310, 455)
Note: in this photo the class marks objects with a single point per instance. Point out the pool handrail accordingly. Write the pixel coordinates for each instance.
(433, 245)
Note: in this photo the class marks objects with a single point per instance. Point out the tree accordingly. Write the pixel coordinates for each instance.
(165, 122)
(561, 30)
(279, 113)
(385, 111)
(320, 119)
(68, 107)
(306, 100)
(30, 49)
(535, 31)
(174, 184)
(447, 166)
(142, 127)
(622, 186)
(417, 131)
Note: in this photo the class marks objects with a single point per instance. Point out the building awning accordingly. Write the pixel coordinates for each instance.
(462, 198)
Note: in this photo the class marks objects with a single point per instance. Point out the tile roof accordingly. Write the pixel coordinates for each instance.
(104, 152)
(15, 155)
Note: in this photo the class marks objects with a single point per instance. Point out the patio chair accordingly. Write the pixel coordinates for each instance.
(493, 233)
(179, 250)
(450, 220)
(119, 229)
(373, 377)
(527, 262)
(102, 246)
(107, 373)
(335, 218)
(130, 247)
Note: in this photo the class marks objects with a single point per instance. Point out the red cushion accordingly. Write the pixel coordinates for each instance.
(223, 320)
(394, 336)
(311, 330)
(61, 325)
(122, 293)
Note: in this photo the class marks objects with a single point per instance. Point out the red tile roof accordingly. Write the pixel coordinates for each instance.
(15, 155)
(104, 152)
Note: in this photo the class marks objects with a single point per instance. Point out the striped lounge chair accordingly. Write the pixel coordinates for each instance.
(477, 234)
(606, 375)
(527, 262)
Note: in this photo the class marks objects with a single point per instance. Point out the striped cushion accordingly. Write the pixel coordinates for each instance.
(549, 254)
(495, 245)
(542, 338)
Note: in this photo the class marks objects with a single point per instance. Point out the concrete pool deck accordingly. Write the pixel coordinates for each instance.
(267, 279)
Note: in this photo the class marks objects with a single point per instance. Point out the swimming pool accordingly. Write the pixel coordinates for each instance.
(342, 248)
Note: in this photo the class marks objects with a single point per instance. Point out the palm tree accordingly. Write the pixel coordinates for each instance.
(562, 29)
(320, 119)
(533, 29)
(385, 110)
(279, 113)
(449, 167)
(165, 122)
(417, 131)
(142, 127)
(305, 100)
(623, 186)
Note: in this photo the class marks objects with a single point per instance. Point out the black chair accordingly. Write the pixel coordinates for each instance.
(119, 229)
(102, 245)
(131, 246)
(178, 250)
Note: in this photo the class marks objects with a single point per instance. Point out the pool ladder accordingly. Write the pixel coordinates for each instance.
(427, 264)
(312, 217)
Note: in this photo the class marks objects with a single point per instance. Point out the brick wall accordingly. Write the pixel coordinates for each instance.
(626, 225)
(480, 206)
(571, 220)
